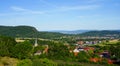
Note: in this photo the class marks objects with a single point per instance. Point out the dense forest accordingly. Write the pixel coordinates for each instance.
(101, 33)
(26, 31)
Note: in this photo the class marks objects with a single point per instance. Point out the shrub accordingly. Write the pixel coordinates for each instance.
(43, 62)
(8, 61)
(25, 62)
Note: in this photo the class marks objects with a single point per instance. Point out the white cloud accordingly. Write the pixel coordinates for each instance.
(18, 8)
(73, 8)
(21, 11)
(82, 7)
(58, 8)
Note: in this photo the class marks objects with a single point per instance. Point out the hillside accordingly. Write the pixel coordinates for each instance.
(18, 31)
(26, 31)
(102, 33)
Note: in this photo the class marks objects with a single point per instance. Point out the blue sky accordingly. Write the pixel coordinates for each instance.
(61, 14)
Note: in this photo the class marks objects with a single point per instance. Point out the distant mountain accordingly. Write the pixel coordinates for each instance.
(71, 32)
(29, 32)
(117, 30)
(102, 33)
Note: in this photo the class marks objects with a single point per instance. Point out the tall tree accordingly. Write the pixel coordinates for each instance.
(23, 50)
(6, 45)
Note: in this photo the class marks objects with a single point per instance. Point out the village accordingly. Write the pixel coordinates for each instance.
(87, 46)
(93, 51)
(84, 46)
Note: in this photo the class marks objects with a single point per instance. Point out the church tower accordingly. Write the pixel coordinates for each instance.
(36, 44)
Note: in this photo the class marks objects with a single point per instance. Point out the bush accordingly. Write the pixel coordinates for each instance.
(25, 62)
(6, 61)
(83, 57)
(43, 62)
(22, 50)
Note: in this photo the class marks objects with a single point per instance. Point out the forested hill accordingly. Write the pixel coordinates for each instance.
(26, 31)
(102, 33)
(31, 32)
(18, 31)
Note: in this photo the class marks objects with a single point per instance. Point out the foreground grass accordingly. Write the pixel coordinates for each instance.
(7, 61)
(63, 63)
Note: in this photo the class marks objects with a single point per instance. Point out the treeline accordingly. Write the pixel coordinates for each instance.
(27, 31)
(18, 31)
(103, 33)
(50, 35)
(30, 32)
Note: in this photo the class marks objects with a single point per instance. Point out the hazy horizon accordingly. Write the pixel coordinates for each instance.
(49, 15)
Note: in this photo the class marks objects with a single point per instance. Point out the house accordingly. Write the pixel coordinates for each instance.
(80, 42)
(76, 51)
(95, 59)
(46, 49)
(80, 49)
(38, 53)
(86, 42)
(88, 48)
(105, 54)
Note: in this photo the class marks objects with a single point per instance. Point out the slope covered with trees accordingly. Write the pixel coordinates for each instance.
(17, 31)
(26, 31)
(101, 33)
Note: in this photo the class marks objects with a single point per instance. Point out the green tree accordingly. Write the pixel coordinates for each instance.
(58, 51)
(23, 50)
(25, 62)
(115, 50)
(83, 57)
(39, 48)
(6, 45)
(43, 62)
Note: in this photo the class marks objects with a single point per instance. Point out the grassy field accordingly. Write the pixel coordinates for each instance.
(64, 63)
(7, 61)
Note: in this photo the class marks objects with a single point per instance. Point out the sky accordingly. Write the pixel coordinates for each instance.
(48, 15)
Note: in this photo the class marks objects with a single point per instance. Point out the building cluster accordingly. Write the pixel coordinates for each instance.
(105, 54)
(88, 42)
